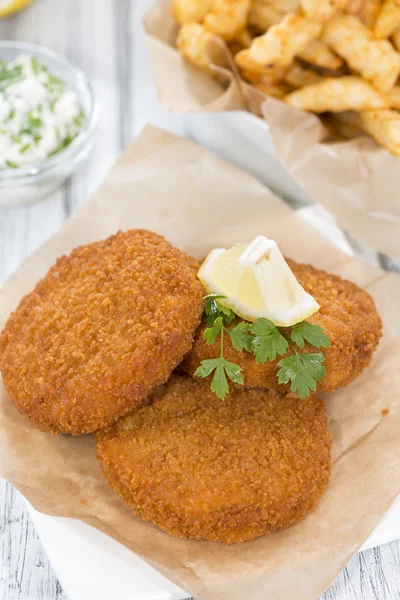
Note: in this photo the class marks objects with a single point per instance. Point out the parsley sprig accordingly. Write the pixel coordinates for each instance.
(267, 342)
(218, 317)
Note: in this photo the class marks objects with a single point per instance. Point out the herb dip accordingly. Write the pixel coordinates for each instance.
(39, 115)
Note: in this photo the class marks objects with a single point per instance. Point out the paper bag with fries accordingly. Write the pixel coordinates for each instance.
(338, 59)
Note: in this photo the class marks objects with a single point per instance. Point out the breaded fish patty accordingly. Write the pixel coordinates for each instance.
(105, 326)
(229, 471)
(348, 316)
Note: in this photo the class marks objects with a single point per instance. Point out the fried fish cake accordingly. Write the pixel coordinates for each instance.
(106, 325)
(347, 315)
(229, 471)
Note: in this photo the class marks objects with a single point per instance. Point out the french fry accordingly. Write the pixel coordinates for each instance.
(298, 76)
(227, 18)
(396, 39)
(279, 45)
(384, 127)
(263, 15)
(388, 19)
(318, 54)
(354, 6)
(369, 11)
(337, 95)
(394, 96)
(192, 42)
(376, 60)
(322, 10)
(190, 11)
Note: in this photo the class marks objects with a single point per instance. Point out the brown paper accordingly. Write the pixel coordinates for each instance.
(196, 200)
(357, 181)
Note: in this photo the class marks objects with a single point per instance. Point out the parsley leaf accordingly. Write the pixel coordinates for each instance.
(207, 367)
(234, 372)
(268, 342)
(306, 332)
(241, 340)
(221, 368)
(219, 384)
(211, 333)
(215, 309)
(303, 371)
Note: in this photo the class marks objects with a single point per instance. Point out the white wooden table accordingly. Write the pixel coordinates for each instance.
(105, 38)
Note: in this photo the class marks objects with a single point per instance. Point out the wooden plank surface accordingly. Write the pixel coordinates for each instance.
(105, 38)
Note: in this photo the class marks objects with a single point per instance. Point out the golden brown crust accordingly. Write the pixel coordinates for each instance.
(347, 315)
(105, 326)
(202, 468)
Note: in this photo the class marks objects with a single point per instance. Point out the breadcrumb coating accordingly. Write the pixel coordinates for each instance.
(347, 315)
(105, 326)
(229, 471)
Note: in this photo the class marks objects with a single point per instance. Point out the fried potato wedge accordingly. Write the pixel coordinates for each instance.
(376, 60)
(318, 54)
(388, 19)
(279, 45)
(192, 42)
(227, 18)
(322, 10)
(190, 11)
(337, 95)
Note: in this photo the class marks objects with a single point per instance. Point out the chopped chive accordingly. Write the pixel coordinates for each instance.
(35, 65)
(11, 115)
(53, 103)
(11, 164)
(79, 119)
(9, 82)
(55, 80)
(13, 73)
(33, 121)
(25, 148)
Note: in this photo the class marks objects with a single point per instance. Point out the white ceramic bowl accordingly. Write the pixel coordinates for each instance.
(29, 183)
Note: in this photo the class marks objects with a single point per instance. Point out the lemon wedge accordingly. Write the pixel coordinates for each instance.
(257, 282)
(8, 7)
